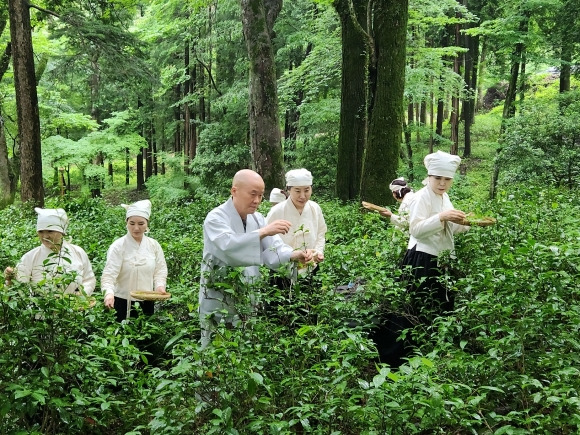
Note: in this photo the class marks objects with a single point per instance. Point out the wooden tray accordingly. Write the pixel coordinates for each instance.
(374, 207)
(147, 295)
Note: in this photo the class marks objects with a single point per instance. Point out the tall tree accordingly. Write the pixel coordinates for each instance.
(31, 187)
(381, 158)
(258, 17)
(354, 95)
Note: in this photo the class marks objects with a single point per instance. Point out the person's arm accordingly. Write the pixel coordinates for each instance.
(89, 280)
(111, 273)
(160, 273)
(421, 224)
(320, 235)
(400, 222)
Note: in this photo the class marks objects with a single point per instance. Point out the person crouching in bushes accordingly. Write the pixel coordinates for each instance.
(55, 256)
(134, 262)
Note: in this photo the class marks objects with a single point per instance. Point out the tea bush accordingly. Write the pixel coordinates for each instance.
(506, 361)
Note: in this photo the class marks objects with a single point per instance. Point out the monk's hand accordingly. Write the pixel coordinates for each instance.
(109, 300)
(280, 226)
(456, 216)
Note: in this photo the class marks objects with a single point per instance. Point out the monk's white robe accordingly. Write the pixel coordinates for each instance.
(226, 244)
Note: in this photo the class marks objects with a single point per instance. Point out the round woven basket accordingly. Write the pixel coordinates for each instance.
(146, 295)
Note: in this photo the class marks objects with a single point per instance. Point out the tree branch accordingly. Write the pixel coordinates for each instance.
(359, 28)
(210, 75)
(46, 11)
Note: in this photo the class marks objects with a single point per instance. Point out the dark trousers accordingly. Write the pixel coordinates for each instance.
(148, 308)
(429, 297)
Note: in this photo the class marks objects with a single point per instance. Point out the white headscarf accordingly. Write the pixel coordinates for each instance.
(442, 164)
(139, 208)
(51, 219)
(298, 177)
(276, 195)
(397, 187)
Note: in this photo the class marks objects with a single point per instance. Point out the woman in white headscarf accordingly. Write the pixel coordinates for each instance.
(134, 262)
(433, 221)
(55, 257)
(404, 195)
(308, 228)
(277, 196)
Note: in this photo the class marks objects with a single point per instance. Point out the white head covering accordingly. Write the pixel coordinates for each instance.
(299, 177)
(442, 164)
(51, 219)
(397, 187)
(139, 208)
(276, 195)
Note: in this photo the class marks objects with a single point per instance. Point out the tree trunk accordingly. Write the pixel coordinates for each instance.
(381, 159)
(127, 167)
(470, 77)
(177, 119)
(258, 17)
(565, 68)
(6, 184)
(5, 59)
(480, 71)
(352, 134)
(186, 111)
(140, 174)
(509, 107)
(31, 187)
(454, 121)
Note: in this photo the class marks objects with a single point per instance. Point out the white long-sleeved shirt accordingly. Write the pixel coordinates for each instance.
(227, 243)
(133, 266)
(428, 233)
(401, 220)
(308, 228)
(41, 262)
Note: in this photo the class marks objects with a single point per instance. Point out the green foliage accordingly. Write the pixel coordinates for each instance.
(504, 362)
(541, 145)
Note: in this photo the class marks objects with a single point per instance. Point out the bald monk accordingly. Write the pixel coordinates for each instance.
(234, 235)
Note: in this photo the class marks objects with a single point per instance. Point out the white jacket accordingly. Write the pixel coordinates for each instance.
(133, 266)
(41, 262)
(428, 233)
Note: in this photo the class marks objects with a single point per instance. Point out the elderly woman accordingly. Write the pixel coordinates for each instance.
(308, 226)
(55, 256)
(403, 194)
(134, 262)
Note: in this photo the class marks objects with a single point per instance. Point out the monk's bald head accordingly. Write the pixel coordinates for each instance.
(245, 177)
(247, 191)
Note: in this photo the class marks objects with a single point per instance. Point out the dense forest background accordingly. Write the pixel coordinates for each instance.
(167, 96)
(103, 102)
